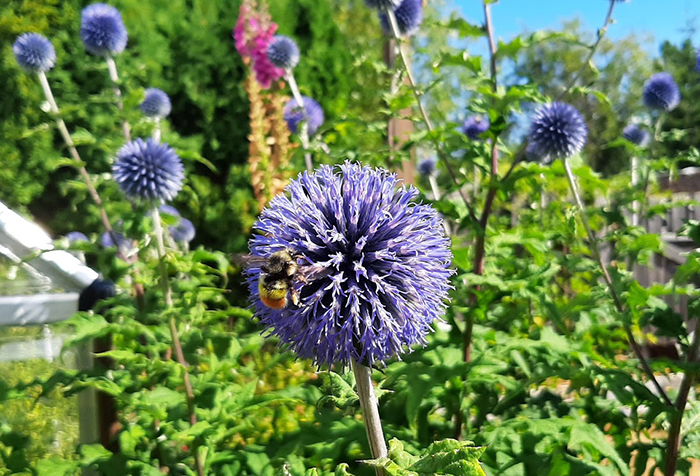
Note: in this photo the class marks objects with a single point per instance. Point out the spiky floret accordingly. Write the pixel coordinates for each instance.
(148, 171)
(313, 114)
(427, 166)
(155, 103)
(376, 265)
(102, 30)
(283, 52)
(409, 16)
(661, 92)
(635, 134)
(557, 131)
(474, 126)
(34, 52)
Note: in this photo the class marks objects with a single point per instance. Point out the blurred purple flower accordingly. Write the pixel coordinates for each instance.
(474, 126)
(34, 52)
(293, 115)
(409, 16)
(155, 103)
(557, 131)
(637, 135)
(102, 30)
(661, 92)
(283, 52)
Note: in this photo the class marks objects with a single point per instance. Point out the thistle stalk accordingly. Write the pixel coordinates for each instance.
(370, 412)
(608, 280)
(167, 293)
(304, 134)
(114, 76)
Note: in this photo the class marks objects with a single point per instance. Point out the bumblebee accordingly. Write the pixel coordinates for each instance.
(279, 273)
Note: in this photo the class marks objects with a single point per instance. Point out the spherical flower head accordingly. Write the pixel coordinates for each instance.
(169, 210)
(697, 61)
(661, 92)
(558, 131)
(183, 231)
(102, 30)
(375, 265)
(383, 4)
(474, 126)
(312, 114)
(409, 16)
(636, 135)
(34, 52)
(76, 237)
(427, 166)
(155, 103)
(148, 171)
(107, 241)
(283, 52)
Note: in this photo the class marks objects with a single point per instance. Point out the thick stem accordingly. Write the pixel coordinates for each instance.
(114, 76)
(304, 134)
(674, 434)
(412, 81)
(593, 48)
(370, 412)
(156, 130)
(608, 280)
(179, 354)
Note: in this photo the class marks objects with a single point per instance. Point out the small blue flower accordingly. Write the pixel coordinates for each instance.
(123, 242)
(148, 171)
(76, 236)
(376, 265)
(558, 131)
(474, 126)
(697, 61)
(427, 166)
(383, 4)
(102, 30)
(183, 231)
(169, 210)
(283, 52)
(661, 92)
(34, 52)
(293, 115)
(636, 135)
(409, 16)
(155, 103)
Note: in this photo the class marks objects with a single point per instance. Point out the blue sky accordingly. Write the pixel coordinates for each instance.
(665, 19)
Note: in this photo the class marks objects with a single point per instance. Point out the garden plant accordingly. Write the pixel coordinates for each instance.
(301, 290)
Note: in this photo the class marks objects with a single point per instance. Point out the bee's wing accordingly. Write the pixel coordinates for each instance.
(249, 261)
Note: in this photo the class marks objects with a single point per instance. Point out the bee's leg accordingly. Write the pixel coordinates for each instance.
(294, 293)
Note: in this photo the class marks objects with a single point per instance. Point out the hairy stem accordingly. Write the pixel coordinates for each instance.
(114, 76)
(412, 81)
(601, 34)
(370, 412)
(606, 275)
(167, 292)
(304, 133)
(157, 130)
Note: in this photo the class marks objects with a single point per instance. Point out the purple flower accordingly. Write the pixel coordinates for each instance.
(34, 52)
(427, 167)
(148, 171)
(409, 16)
(636, 135)
(155, 103)
(375, 265)
(75, 237)
(557, 131)
(283, 52)
(123, 242)
(293, 115)
(102, 30)
(661, 92)
(474, 126)
(169, 210)
(697, 64)
(183, 231)
(383, 4)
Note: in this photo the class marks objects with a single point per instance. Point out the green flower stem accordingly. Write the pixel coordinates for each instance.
(593, 48)
(412, 81)
(304, 133)
(606, 275)
(167, 292)
(370, 412)
(674, 433)
(436, 196)
(114, 76)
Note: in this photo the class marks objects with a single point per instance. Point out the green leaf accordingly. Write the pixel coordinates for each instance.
(56, 466)
(92, 454)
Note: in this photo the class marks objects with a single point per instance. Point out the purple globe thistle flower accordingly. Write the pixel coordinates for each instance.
(427, 166)
(183, 231)
(155, 103)
(34, 52)
(283, 52)
(148, 171)
(697, 64)
(636, 135)
(169, 210)
(474, 126)
(107, 240)
(383, 4)
(75, 237)
(661, 92)
(375, 266)
(293, 115)
(102, 30)
(558, 131)
(409, 16)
